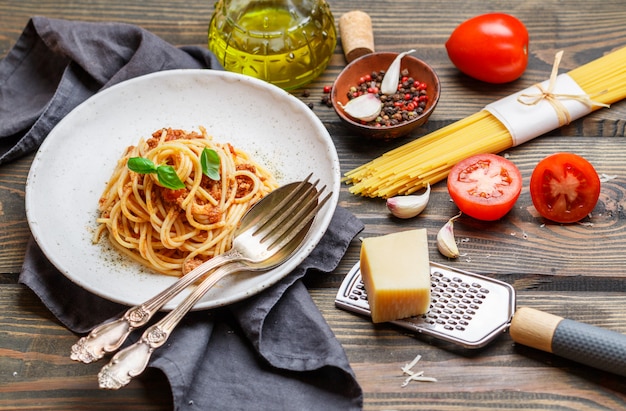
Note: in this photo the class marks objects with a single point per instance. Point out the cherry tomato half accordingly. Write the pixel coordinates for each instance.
(485, 186)
(564, 187)
(491, 47)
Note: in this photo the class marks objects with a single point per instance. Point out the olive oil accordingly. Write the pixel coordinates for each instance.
(287, 43)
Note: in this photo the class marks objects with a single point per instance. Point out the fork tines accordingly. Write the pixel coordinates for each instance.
(293, 213)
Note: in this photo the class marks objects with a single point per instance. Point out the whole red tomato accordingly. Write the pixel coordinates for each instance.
(485, 186)
(491, 47)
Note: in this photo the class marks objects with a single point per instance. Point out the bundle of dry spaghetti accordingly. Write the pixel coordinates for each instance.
(501, 125)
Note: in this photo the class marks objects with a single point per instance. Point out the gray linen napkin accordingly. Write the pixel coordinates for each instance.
(57, 64)
(273, 351)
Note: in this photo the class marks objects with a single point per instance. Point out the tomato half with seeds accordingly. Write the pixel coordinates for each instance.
(564, 187)
(485, 186)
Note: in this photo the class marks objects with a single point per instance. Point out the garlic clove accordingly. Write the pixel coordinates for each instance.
(446, 242)
(389, 84)
(408, 206)
(366, 107)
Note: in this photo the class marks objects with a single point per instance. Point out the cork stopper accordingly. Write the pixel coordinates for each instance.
(357, 36)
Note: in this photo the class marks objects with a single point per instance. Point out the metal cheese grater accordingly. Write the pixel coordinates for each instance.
(466, 308)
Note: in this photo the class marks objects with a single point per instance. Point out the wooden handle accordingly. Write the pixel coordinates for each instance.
(593, 346)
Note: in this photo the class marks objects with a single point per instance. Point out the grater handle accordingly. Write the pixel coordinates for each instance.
(587, 344)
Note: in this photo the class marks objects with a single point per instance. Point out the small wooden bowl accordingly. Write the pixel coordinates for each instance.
(375, 62)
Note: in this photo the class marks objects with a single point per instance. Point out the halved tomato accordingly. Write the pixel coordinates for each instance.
(485, 186)
(564, 187)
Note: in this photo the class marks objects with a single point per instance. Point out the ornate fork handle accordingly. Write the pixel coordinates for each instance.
(110, 335)
(132, 360)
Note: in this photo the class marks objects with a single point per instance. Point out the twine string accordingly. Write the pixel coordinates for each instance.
(554, 99)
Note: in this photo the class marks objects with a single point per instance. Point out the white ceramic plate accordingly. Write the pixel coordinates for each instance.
(77, 158)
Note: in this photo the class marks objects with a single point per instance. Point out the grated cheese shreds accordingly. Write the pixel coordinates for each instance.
(414, 376)
(605, 178)
(418, 376)
(410, 365)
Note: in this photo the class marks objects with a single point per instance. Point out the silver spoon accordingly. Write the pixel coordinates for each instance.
(267, 216)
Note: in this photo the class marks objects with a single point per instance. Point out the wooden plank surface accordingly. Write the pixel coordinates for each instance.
(576, 271)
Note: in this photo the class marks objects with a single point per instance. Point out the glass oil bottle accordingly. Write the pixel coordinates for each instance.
(285, 42)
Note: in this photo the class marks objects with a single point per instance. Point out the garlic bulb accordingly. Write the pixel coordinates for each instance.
(408, 206)
(366, 107)
(445, 239)
(389, 85)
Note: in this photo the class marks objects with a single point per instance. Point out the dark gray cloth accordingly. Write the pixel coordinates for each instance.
(273, 351)
(57, 64)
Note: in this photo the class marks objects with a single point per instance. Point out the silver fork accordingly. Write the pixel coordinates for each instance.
(267, 216)
(279, 237)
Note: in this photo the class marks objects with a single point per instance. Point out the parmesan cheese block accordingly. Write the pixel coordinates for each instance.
(396, 273)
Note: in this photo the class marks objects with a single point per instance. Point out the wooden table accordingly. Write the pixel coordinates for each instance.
(576, 271)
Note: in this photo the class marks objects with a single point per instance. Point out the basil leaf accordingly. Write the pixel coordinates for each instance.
(141, 165)
(166, 174)
(210, 161)
(168, 177)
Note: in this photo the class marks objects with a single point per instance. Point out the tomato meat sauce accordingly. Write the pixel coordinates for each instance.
(564, 187)
(485, 186)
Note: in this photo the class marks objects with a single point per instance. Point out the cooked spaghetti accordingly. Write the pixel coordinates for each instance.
(174, 230)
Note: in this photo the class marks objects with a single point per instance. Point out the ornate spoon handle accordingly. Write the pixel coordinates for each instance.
(110, 335)
(132, 360)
